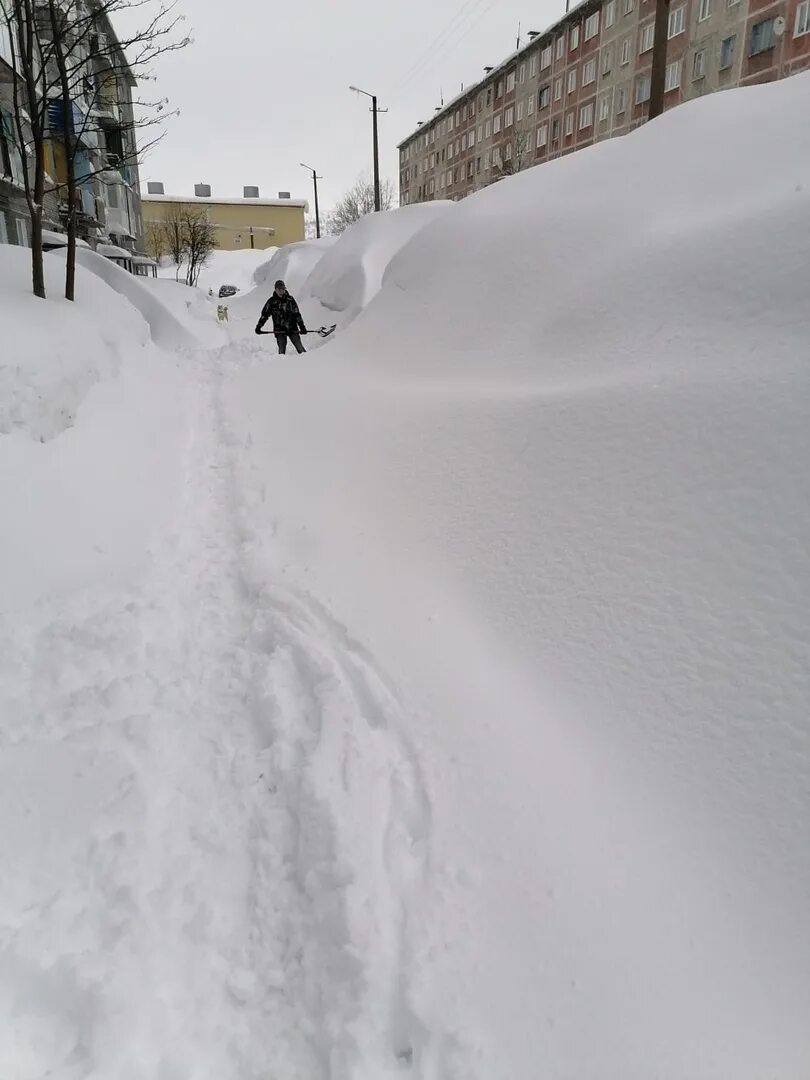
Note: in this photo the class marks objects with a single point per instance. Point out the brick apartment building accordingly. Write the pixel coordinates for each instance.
(587, 78)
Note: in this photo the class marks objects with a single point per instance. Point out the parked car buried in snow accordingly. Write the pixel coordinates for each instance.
(228, 290)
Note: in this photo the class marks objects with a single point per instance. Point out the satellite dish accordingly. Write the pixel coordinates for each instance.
(779, 26)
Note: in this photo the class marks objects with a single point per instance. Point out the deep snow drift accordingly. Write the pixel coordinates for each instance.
(434, 705)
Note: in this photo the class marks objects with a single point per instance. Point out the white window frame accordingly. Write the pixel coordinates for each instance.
(672, 77)
(607, 60)
(569, 123)
(574, 38)
(496, 124)
(487, 159)
(628, 6)
(22, 231)
(542, 136)
(548, 53)
(802, 24)
(522, 73)
(519, 109)
(533, 66)
(610, 14)
(732, 38)
(558, 88)
(560, 46)
(589, 72)
(641, 98)
(541, 91)
(621, 100)
(627, 50)
(3, 228)
(571, 83)
(487, 129)
(530, 105)
(592, 26)
(699, 64)
(677, 22)
(480, 132)
(604, 108)
(508, 118)
(586, 116)
(705, 10)
(646, 38)
(510, 82)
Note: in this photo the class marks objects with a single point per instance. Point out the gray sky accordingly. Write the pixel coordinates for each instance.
(265, 85)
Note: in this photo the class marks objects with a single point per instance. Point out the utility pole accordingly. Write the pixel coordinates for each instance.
(315, 179)
(659, 59)
(374, 110)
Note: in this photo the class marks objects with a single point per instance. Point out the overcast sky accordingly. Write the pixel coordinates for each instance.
(265, 85)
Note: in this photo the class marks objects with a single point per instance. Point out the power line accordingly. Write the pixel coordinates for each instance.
(464, 21)
(436, 41)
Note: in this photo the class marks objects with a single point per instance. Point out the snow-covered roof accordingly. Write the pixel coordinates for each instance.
(301, 204)
(58, 239)
(143, 260)
(111, 251)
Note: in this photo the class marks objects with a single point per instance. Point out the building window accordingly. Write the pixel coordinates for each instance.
(519, 111)
(480, 133)
(643, 90)
(496, 125)
(463, 142)
(763, 36)
(533, 66)
(610, 13)
(458, 117)
(450, 124)
(509, 117)
(673, 76)
(572, 80)
(569, 123)
(555, 130)
(574, 38)
(522, 73)
(470, 169)
(545, 58)
(628, 6)
(592, 26)
(471, 137)
(802, 19)
(560, 46)
(589, 73)
(646, 38)
(705, 10)
(727, 51)
(699, 64)
(677, 21)
(544, 97)
(557, 89)
(530, 105)
(607, 61)
(508, 152)
(542, 136)
(510, 82)
(621, 101)
(450, 152)
(627, 45)
(487, 129)
(3, 229)
(499, 88)
(486, 160)
(604, 107)
(458, 147)
(11, 160)
(586, 117)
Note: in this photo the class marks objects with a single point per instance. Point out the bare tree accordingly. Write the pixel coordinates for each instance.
(518, 155)
(199, 238)
(357, 202)
(68, 55)
(156, 240)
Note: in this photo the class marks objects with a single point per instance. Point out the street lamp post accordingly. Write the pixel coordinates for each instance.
(315, 179)
(374, 110)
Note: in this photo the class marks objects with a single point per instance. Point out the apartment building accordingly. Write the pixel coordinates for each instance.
(102, 121)
(587, 78)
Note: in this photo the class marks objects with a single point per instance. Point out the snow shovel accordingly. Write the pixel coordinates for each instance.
(322, 331)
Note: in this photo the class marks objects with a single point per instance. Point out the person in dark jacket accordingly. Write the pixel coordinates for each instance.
(287, 319)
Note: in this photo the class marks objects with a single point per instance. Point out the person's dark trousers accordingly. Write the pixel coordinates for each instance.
(294, 338)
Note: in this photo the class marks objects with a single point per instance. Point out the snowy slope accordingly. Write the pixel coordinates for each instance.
(554, 478)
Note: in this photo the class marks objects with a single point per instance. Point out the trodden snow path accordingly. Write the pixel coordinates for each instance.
(217, 829)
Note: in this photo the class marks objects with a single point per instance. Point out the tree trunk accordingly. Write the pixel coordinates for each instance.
(70, 149)
(37, 257)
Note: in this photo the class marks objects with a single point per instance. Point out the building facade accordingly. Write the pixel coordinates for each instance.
(103, 129)
(587, 78)
(249, 222)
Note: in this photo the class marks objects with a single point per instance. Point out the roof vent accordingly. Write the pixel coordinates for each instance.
(533, 34)
(488, 69)
(284, 194)
(202, 191)
(154, 188)
(251, 192)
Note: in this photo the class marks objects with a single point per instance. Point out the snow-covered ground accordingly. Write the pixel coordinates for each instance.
(435, 704)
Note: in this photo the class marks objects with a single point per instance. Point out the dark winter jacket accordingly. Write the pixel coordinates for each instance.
(284, 312)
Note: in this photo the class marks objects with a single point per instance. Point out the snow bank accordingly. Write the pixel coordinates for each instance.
(91, 429)
(555, 479)
(233, 268)
(351, 272)
(54, 352)
(293, 264)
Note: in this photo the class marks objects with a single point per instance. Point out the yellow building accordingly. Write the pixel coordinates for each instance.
(249, 222)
